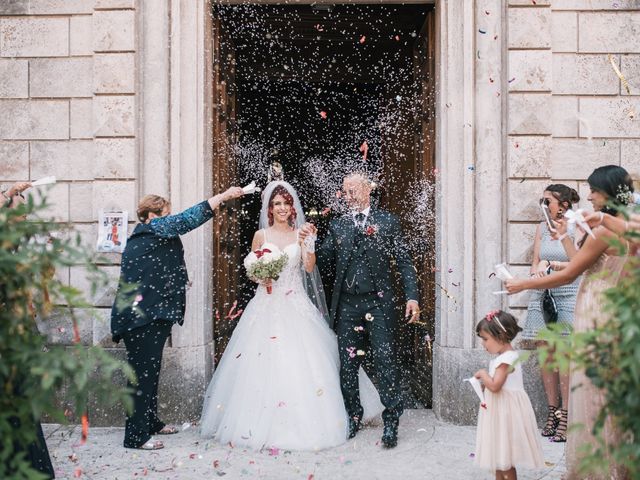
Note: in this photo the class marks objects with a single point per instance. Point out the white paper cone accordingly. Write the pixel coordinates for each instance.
(44, 181)
(477, 387)
(251, 188)
(502, 272)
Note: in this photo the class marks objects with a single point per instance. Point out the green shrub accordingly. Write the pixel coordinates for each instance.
(610, 357)
(30, 374)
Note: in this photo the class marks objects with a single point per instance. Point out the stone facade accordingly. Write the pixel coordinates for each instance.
(111, 95)
(68, 102)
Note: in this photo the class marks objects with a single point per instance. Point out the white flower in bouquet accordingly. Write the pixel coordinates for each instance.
(265, 264)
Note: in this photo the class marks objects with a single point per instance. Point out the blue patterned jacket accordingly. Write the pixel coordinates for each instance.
(153, 275)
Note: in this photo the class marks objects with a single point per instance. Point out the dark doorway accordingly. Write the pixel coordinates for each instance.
(324, 90)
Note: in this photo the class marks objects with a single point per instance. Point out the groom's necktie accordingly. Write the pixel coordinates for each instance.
(360, 219)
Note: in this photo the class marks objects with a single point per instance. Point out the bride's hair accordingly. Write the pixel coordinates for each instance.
(283, 192)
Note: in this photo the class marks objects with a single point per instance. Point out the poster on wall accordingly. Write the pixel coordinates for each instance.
(112, 231)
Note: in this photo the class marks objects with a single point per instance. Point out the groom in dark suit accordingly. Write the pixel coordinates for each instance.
(361, 246)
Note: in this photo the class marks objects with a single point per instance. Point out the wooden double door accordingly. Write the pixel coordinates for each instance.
(416, 160)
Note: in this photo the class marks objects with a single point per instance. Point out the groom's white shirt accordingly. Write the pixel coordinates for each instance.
(365, 212)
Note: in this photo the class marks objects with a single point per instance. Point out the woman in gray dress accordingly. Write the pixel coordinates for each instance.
(550, 250)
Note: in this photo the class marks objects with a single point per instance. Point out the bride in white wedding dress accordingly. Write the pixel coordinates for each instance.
(278, 384)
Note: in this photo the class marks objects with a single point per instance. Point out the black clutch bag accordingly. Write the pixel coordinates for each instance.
(549, 307)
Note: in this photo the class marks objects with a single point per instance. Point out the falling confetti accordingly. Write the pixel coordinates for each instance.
(363, 39)
(323, 115)
(364, 149)
(85, 429)
(484, 32)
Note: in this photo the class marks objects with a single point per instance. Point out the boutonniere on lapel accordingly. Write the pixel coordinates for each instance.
(371, 230)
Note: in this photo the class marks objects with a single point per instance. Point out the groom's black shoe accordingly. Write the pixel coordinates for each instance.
(354, 426)
(390, 434)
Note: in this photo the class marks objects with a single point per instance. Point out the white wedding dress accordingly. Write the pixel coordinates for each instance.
(278, 385)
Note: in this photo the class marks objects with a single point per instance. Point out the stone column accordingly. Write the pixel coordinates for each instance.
(188, 360)
(469, 156)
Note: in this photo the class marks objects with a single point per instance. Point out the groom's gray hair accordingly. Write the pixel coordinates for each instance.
(359, 176)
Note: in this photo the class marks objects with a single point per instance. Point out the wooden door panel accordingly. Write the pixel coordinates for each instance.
(225, 246)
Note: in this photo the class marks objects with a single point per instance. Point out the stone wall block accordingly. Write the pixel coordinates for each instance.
(34, 119)
(61, 77)
(605, 117)
(81, 208)
(529, 28)
(106, 286)
(575, 159)
(618, 5)
(584, 190)
(102, 327)
(45, 7)
(34, 37)
(81, 118)
(14, 78)
(521, 237)
(58, 327)
(564, 118)
(583, 75)
(520, 300)
(523, 200)
(183, 366)
(114, 116)
(630, 157)
(609, 32)
(113, 30)
(528, 3)
(58, 200)
(530, 70)
(564, 32)
(81, 35)
(14, 157)
(114, 73)
(630, 68)
(529, 114)
(529, 156)
(99, 4)
(71, 160)
(100, 413)
(114, 195)
(115, 157)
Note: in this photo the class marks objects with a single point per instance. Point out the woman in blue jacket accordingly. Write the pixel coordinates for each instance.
(150, 299)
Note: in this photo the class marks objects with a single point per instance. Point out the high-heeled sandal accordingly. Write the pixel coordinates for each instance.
(561, 431)
(549, 429)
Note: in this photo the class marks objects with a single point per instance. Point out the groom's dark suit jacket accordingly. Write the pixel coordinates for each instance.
(381, 242)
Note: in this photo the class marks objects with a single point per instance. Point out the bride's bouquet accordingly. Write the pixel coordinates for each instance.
(265, 264)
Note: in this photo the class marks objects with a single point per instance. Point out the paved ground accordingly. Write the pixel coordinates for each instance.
(427, 449)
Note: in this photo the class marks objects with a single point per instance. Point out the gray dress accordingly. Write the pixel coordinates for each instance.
(565, 295)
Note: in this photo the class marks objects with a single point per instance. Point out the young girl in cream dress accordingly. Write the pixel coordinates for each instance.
(507, 431)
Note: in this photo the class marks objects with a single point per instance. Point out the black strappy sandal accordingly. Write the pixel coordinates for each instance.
(561, 430)
(550, 427)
